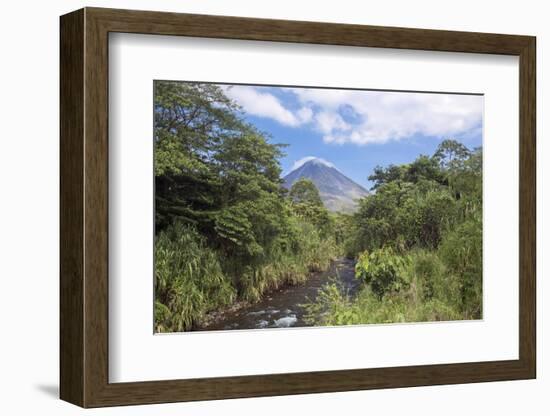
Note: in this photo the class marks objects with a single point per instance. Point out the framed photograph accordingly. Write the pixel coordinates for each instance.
(257, 207)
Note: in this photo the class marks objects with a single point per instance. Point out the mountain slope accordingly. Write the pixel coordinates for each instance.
(338, 192)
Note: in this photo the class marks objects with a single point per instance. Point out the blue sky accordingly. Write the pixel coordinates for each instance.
(357, 130)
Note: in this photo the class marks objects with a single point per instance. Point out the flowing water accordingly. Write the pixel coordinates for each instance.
(281, 308)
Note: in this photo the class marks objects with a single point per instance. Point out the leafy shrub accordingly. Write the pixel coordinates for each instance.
(332, 307)
(426, 216)
(461, 251)
(430, 272)
(427, 292)
(382, 270)
(188, 279)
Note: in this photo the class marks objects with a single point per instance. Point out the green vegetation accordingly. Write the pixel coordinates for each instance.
(382, 269)
(189, 278)
(418, 244)
(226, 229)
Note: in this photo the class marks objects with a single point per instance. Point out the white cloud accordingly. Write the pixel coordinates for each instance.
(263, 104)
(363, 117)
(383, 116)
(306, 159)
(329, 121)
(305, 114)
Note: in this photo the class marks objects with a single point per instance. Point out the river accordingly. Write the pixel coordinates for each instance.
(281, 308)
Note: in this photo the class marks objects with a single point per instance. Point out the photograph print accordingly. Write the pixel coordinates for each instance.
(284, 207)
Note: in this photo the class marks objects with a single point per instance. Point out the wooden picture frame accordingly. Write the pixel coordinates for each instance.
(84, 207)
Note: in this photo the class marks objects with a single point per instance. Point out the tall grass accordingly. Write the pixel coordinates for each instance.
(192, 279)
(287, 263)
(188, 279)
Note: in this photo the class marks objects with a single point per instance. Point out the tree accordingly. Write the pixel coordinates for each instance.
(376, 221)
(450, 154)
(304, 191)
(403, 215)
(191, 121)
(306, 203)
(423, 168)
(217, 173)
(381, 175)
(467, 184)
(252, 211)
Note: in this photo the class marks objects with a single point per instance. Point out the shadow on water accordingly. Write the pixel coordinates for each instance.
(281, 308)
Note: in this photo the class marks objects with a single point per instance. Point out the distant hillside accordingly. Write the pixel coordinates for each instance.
(338, 192)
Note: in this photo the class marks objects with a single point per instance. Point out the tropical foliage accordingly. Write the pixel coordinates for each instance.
(228, 231)
(418, 244)
(225, 228)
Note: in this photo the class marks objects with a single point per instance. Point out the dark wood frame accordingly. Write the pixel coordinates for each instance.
(84, 207)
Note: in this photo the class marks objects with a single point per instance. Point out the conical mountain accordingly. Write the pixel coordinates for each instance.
(338, 192)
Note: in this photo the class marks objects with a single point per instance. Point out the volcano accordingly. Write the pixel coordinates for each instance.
(338, 192)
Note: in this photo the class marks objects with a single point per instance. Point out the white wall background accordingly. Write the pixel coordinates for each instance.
(29, 84)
